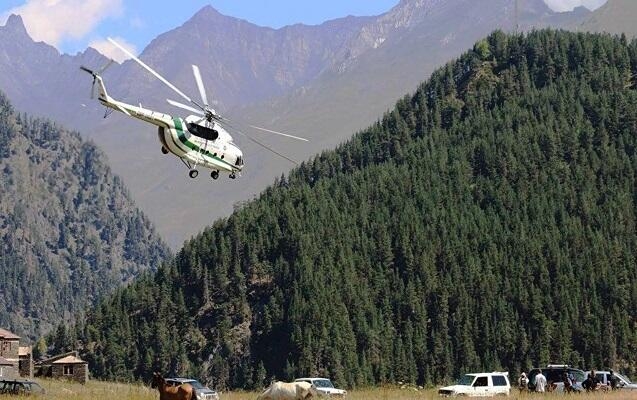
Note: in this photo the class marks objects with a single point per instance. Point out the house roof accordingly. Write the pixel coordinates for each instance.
(51, 360)
(4, 361)
(24, 350)
(8, 335)
(69, 360)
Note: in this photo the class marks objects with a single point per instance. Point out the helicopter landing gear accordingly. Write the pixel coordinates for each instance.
(232, 176)
(193, 173)
(214, 174)
(164, 150)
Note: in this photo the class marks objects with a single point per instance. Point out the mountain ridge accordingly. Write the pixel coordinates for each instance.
(615, 17)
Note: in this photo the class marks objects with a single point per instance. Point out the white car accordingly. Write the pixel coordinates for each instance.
(480, 384)
(324, 386)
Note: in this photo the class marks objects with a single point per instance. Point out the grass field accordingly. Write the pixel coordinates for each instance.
(96, 390)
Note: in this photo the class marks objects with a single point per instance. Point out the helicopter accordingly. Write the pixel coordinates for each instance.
(200, 139)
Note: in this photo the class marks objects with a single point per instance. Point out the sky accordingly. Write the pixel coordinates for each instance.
(73, 25)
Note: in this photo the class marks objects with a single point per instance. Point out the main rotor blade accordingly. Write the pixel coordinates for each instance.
(184, 106)
(278, 133)
(269, 130)
(149, 69)
(265, 146)
(202, 90)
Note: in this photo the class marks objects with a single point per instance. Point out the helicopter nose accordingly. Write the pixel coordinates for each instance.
(239, 161)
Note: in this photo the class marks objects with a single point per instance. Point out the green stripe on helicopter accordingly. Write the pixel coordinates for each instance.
(182, 137)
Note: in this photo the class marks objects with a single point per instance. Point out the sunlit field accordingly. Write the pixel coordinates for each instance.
(96, 390)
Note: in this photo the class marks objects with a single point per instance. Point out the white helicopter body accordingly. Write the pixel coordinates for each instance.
(198, 140)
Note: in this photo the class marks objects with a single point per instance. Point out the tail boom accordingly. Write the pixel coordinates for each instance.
(150, 116)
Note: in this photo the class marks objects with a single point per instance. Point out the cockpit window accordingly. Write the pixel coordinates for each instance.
(239, 161)
(202, 131)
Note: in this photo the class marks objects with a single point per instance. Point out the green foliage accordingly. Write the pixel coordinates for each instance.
(487, 222)
(481, 49)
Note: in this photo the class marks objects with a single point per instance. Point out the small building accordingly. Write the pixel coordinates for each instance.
(9, 345)
(25, 363)
(63, 366)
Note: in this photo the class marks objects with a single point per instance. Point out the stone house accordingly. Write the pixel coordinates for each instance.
(9, 359)
(25, 363)
(63, 366)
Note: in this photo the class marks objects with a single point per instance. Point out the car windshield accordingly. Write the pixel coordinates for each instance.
(577, 374)
(623, 377)
(323, 383)
(466, 380)
(196, 385)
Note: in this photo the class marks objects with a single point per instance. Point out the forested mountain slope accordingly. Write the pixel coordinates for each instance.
(69, 231)
(486, 223)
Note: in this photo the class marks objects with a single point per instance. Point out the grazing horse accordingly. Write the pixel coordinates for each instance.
(289, 391)
(181, 392)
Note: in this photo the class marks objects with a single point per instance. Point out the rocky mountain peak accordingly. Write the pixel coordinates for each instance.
(207, 13)
(15, 26)
(208, 19)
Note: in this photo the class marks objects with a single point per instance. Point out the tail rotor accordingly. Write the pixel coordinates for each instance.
(96, 74)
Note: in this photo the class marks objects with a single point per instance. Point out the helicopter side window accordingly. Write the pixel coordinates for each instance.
(202, 131)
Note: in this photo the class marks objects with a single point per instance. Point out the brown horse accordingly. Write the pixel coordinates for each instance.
(181, 392)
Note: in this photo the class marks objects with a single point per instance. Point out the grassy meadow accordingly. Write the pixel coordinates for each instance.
(97, 390)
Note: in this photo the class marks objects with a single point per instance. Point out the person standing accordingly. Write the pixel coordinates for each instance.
(591, 383)
(568, 383)
(540, 382)
(523, 382)
(612, 380)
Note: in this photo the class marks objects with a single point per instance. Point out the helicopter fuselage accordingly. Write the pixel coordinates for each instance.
(196, 141)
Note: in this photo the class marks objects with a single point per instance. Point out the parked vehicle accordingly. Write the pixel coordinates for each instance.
(20, 387)
(622, 381)
(203, 392)
(554, 374)
(479, 385)
(324, 386)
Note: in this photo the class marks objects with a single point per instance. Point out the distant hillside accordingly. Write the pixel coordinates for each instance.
(69, 232)
(616, 16)
(486, 223)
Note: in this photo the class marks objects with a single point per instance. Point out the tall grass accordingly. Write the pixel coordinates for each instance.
(97, 390)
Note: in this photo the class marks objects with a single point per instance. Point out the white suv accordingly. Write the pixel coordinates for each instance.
(480, 384)
(324, 386)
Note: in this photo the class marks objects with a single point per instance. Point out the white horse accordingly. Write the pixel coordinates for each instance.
(289, 391)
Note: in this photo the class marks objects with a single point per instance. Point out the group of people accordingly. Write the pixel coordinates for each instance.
(590, 384)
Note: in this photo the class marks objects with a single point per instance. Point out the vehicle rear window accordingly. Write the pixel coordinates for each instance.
(499, 380)
(553, 375)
